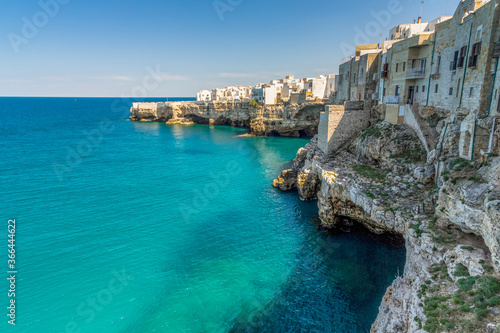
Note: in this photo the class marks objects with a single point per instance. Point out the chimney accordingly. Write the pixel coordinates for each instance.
(419, 19)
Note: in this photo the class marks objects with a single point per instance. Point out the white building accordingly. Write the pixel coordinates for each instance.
(292, 86)
(274, 92)
(403, 31)
(330, 86)
(270, 94)
(217, 94)
(204, 95)
(318, 86)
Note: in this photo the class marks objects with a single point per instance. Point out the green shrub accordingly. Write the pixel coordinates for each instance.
(488, 268)
(370, 194)
(254, 103)
(443, 240)
(466, 284)
(450, 325)
(371, 132)
(489, 286)
(417, 229)
(369, 172)
(459, 164)
(464, 308)
(461, 270)
(481, 313)
(494, 301)
(413, 156)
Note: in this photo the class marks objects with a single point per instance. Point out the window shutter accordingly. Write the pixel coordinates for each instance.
(478, 48)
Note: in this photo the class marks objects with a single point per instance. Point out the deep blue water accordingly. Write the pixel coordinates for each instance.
(145, 227)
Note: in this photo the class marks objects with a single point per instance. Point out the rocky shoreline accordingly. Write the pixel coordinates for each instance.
(384, 181)
(294, 120)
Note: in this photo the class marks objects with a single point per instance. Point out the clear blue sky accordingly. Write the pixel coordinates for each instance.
(104, 47)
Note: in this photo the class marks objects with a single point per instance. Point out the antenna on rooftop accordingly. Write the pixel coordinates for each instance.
(421, 6)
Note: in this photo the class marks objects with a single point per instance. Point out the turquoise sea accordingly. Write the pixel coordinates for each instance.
(143, 227)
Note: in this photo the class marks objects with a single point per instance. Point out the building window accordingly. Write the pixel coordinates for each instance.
(471, 91)
(436, 89)
(404, 66)
(416, 89)
(458, 87)
(451, 91)
(385, 71)
(397, 67)
(453, 64)
(423, 89)
(397, 90)
(479, 33)
(383, 92)
(354, 78)
(476, 51)
(423, 64)
(463, 54)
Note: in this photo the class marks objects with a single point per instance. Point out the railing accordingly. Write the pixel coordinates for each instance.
(415, 73)
(346, 59)
(392, 99)
(385, 71)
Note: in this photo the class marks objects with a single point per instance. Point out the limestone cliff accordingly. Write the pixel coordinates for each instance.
(275, 120)
(385, 181)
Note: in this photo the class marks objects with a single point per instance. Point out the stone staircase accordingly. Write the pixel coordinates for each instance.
(424, 131)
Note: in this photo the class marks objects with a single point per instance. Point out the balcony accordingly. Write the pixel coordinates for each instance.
(415, 73)
(436, 72)
(385, 72)
(392, 99)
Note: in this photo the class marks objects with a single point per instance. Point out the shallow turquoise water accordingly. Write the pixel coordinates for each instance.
(146, 227)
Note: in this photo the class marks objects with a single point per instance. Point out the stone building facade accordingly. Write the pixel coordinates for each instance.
(341, 123)
(446, 67)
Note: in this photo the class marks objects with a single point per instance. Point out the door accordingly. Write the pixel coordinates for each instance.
(411, 94)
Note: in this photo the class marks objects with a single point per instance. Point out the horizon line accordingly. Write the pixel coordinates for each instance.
(94, 97)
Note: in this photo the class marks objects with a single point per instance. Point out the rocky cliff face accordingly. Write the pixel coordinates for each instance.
(384, 181)
(279, 120)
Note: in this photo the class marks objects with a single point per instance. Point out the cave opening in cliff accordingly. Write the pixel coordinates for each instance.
(348, 225)
(303, 134)
(274, 133)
